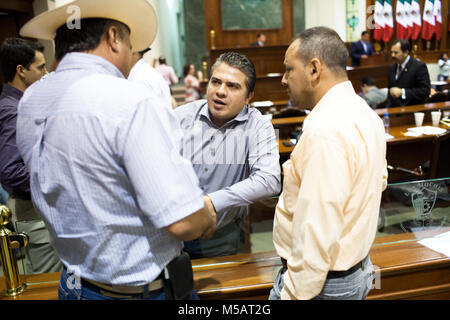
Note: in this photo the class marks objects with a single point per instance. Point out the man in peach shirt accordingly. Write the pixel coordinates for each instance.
(326, 217)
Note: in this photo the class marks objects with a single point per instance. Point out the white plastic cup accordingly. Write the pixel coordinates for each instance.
(435, 117)
(418, 117)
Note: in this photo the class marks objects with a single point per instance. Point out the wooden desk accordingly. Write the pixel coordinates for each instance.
(406, 269)
(396, 131)
(402, 151)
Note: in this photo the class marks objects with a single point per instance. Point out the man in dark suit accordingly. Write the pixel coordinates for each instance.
(361, 49)
(260, 40)
(408, 78)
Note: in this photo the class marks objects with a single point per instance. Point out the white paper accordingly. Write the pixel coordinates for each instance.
(258, 104)
(412, 134)
(428, 130)
(439, 243)
(388, 136)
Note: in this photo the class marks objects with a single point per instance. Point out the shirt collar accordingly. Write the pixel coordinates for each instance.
(339, 91)
(241, 117)
(405, 62)
(11, 91)
(80, 60)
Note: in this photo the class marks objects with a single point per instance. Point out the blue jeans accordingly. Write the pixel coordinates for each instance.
(84, 293)
(355, 286)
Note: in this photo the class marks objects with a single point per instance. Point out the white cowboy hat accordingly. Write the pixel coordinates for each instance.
(138, 15)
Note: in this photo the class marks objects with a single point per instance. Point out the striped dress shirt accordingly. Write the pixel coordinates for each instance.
(106, 170)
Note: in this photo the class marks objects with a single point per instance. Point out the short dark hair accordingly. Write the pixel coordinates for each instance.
(326, 45)
(162, 60)
(240, 62)
(404, 44)
(364, 33)
(369, 81)
(14, 52)
(186, 69)
(86, 38)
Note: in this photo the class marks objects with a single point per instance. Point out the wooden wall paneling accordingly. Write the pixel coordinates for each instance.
(25, 6)
(244, 37)
(266, 60)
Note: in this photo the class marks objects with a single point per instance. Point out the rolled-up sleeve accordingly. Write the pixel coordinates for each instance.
(167, 192)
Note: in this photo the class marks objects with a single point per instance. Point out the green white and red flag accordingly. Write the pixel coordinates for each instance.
(388, 21)
(401, 25)
(379, 21)
(416, 19)
(429, 21)
(437, 13)
(408, 18)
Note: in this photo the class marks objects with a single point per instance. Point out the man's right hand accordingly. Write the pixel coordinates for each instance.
(200, 224)
(212, 227)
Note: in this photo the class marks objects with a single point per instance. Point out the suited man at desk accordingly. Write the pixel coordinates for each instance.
(361, 49)
(408, 78)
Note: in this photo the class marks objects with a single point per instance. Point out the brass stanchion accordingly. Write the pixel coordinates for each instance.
(8, 242)
(415, 51)
(377, 47)
(212, 35)
(205, 71)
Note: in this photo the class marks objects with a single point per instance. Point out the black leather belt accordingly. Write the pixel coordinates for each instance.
(340, 274)
(335, 274)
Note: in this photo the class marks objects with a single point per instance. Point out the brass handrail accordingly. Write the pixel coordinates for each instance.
(8, 242)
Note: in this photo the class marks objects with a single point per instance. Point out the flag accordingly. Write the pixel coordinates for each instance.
(416, 19)
(401, 24)
(379, 21)
(438, 18)
(388, 21)
(408, 18)
(428, 20)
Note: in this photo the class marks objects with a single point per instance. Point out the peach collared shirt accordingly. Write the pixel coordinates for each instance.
(326, 217)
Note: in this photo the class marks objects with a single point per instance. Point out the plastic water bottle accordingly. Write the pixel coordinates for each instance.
(386, 122)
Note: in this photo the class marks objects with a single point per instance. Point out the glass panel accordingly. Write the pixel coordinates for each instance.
(409, 212)
(419, 208)
(251, 14)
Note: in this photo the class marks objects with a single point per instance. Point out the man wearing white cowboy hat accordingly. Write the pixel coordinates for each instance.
(106, 172)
